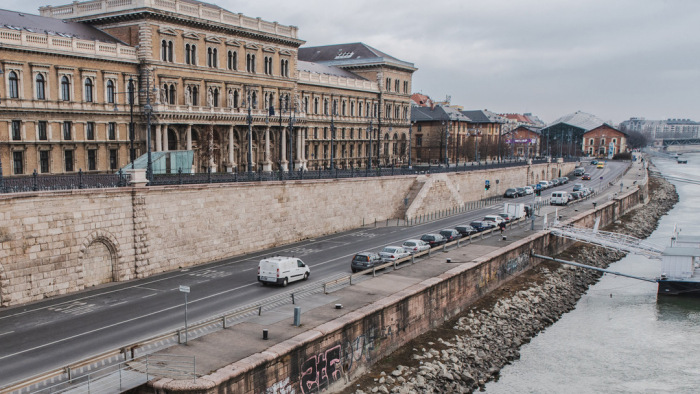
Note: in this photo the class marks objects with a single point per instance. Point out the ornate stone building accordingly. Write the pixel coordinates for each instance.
(234, 90)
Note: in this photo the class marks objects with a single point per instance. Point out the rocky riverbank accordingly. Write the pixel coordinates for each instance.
(463, 356)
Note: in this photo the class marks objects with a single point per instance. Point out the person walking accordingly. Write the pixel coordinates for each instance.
(502, 227)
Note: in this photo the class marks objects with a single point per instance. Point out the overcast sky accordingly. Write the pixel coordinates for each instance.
(612, 58)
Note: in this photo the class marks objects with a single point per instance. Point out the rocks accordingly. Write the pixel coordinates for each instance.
(486, 340)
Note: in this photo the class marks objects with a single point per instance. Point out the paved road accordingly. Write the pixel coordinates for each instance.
(60, 331)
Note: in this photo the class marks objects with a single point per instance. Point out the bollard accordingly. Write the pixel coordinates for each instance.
(374, 272)
(292, 298)
(324, 289)
(413, 259)
(444, 247)
(259, 310)
(297, 316)
(265, 334)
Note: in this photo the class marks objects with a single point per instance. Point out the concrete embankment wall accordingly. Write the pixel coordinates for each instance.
(54, 243)
(334, 353)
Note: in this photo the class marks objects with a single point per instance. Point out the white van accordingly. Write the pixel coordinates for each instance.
(282, 270)
(559, 198)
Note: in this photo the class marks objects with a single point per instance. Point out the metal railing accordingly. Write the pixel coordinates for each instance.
(37, 182)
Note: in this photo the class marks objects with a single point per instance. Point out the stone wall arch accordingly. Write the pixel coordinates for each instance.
(99, 259)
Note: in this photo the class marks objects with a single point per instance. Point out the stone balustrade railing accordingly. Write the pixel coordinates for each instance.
(332, 80)
(202, 10)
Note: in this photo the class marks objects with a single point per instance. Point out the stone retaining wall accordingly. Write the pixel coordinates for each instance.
(48, 240)
(337, 352)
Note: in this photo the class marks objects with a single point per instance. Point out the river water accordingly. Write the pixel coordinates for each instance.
(621, 338)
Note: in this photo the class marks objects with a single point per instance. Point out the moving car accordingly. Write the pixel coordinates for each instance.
(450, 234)
(594, 162)
(480, 225)
(415, 246)
(393, 253)
(433, 240)
(494, 218)
(282, 270)
(365, 260)
(600, 165)
(578, 186)
(529, 190)
(521, 191)
(586, 177)
(510, 193)
(466, 230)
(578, 171)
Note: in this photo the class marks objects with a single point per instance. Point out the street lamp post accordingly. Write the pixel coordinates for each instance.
(476, 145)
(132, 153)
(249, 119)
(332, 133)
(149, 110)
(2, 182)
(410, 135)
(369, 130)
(292, 120)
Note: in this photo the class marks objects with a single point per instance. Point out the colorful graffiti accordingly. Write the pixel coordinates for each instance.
(282, 387)
(318, 372)
(503, 271)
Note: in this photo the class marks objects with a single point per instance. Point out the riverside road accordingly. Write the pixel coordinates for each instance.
(54, 333)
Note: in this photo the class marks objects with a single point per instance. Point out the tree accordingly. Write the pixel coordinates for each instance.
(636, 140)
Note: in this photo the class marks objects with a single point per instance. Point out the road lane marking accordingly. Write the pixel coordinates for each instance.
(5, 333)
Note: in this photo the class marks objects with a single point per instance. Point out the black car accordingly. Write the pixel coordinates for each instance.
(451, 234)
(433, 240)
(521, 191)
(480, 226)
(365, 260)
(511, 193)
(466, 230)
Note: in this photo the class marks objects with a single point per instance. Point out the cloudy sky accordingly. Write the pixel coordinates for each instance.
(612, 58)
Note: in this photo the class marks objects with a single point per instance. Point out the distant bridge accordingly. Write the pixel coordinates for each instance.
(680, 141)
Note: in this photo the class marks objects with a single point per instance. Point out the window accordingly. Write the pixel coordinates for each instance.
(419, 140)
(195, 95)
(388, 85)
(42, 131)
(250, 63)
(68, 160)
(236, 98)
(172, 94)
(344, 106)
(166, 51)
(316, 105)
(590, 142)
(405, 86)
(40, 87)
(268, 65)
(359, 109)
(16, 130)
(187, 54)
(44, 161)
(18, 162)
(88, 90)
(90, 131)
(396, 85)
(110, 91)
(14, 85)
(111, 131)
(325, 107)
(232, 60)
(112, 159)
(212, 55)
(65, 88)
(67, 126)
(284, 67)
(306, 104)
(92, 159)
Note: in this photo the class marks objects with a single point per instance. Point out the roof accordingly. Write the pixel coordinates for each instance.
(688, 239)
(421, 100)
(607, 126)
(318, 68)
(688, 252)
(349, 54)
(581, 120)
(437, 113)
(57, 27)
(517, 117)
(482, 116)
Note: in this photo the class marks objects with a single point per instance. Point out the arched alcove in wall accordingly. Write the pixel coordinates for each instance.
(99, 259)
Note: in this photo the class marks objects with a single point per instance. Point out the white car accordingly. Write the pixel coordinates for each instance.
(494, 218)
(393, 253)
(528, 190)
(415, 246)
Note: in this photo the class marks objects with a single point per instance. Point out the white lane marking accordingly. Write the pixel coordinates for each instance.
(117, 324)
(119, 303)
(150, 295)
(5, 333)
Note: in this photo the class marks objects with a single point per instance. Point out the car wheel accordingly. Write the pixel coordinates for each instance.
(306, 276)
(264, 283)
(286, 281)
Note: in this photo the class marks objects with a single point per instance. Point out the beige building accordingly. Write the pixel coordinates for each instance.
(234, 90)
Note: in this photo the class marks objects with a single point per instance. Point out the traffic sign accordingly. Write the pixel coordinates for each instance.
(184, 289)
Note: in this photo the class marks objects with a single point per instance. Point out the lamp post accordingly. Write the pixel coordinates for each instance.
(447, 134)
(332, 133)
(2, 182)
(249, 119)
(476, 144)
(369, 130)
(292, 120)
(410, 135)
(149, 110)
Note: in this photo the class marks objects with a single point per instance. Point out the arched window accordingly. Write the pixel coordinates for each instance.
(65, 88)
(235, 98)
(88, 90)
(343, 108)
(316, 106)
(232, 60)
(325, 107)
(110, 91)
(211, 57)
(195, 95)
(40, 87)
(172, 94)
(188, 54)
(216, 96)
(193, 56)
(170, 51)
(132, 91)
(164, 50)
(14, 85)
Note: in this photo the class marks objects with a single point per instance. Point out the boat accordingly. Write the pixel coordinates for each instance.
(679, 270)
(682, 161)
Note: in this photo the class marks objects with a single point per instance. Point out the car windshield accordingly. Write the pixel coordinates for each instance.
(475, 224)
(427, 237)
(409, 243)
(361, 257)
(389, 250)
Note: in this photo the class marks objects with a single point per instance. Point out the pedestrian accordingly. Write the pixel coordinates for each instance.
(502, 227)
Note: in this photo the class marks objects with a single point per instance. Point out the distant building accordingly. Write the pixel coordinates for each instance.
(564, 136)
(421, 100)
(669, 128)
(523, 142)
(604, 141)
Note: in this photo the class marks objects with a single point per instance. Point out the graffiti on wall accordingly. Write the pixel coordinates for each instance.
(508, 268)
(281, 387)
(319, 371)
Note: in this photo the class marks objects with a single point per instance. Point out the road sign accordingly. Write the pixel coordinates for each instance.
(184, 289)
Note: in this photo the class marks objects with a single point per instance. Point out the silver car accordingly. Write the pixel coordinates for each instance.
(415, 246)
(393, 253)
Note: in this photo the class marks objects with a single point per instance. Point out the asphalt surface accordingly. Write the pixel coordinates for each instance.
(60, 331)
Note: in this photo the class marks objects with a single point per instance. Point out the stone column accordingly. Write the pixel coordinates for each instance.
(231, 158)
(189, 137)
(165, 137)
(159, 138)
(267, 163)
(283, 137)
(212, 164)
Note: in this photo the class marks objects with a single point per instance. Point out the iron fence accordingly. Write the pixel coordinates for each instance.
(37, 182)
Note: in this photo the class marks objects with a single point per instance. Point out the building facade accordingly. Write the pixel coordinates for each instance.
(522, 142)
(604, 141)
(229, 88)
(669, 128)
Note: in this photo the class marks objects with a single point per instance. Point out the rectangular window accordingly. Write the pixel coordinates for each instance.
(67, 134)
(44, 161)
(419, 140)
(92, 159)
(18, 161)
(16, 130)
(112, 159)
(68, 158)
(112, 131)
(43, 135)
(90, 132)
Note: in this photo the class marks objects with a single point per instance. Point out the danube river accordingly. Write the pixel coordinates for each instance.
(621, 338)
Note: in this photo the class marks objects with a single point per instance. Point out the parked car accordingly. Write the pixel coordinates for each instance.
(480, 225)
(365, 260)
(573, 196)
(415, 246)
(559, 198)
(282, 270)
(564, 180)
(493, 218)
(544, 184)
(586, 177)
(466, 230)
(578, 186)
(594, 162)
(433, 240)
(506, 217)
(510, 193)
(521, 191)
(529, 190)
(555, 182)
(450, 234)
(393, 253)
